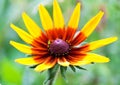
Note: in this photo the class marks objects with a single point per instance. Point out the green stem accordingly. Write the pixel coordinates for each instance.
(51, 81)
(54, 77)
(53, 72)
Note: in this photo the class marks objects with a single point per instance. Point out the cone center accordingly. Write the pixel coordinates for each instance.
(58, 47)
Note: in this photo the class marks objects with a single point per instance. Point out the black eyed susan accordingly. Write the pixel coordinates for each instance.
(58, 43)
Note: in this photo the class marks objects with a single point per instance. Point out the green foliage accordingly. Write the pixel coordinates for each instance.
(63, 72)
(10, 74)
(73, 68)
(81, 68)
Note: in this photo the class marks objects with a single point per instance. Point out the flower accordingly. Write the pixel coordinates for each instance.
(58, 44)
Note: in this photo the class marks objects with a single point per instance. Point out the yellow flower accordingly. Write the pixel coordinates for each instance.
(58, 43)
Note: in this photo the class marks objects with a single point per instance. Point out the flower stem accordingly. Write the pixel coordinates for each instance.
(53, 72)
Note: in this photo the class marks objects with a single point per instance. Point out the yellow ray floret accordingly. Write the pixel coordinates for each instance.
(26, 61)
(57, 15)
(91, 57)
(97, 44)
(32, 27)
(74, 20)
(46, 65)
(21, 47)
(22, 34)
(63, 62)
(45, 18)
(91, 25)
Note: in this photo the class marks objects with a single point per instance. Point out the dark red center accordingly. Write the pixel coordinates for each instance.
(59, 47)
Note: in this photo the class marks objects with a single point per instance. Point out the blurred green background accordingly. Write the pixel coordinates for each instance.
(12, 73)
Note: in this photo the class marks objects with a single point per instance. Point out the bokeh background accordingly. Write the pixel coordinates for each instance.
(12, 73)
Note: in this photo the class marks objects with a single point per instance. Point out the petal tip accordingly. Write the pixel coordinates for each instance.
(101, 13)
(106, 60)
(115, 38)
(41, 6)
(11, 25)
(37, 70)
(55, 1)
(78, 4)
(11, 42)
(23, 14)
(18, 61)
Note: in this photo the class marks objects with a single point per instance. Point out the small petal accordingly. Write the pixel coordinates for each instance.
(45, 18)
(74, 20)
(57, 15)
(97, 44)
(46, 65)
(26, 61)
(21, 47)
(32, 27)
(23, 35)
(62, 61)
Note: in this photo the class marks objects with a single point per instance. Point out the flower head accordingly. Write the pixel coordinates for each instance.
(58, 43)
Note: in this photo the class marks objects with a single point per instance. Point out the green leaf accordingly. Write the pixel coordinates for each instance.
(73, 68)
(80, 68)
(28, 55)
(34, 66)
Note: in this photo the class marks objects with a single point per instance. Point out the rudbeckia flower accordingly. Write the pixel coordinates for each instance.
(59, 43)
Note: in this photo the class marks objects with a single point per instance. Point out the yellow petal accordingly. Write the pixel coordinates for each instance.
(21, 47)
(74, 20)
(26, 61)
(63, 62)
(80, 63)
(23, 35)
(100, 43)
(46, 65)
(45, 18)
(91, 57)
(57, 15)
(91, 25)
(32, 27)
